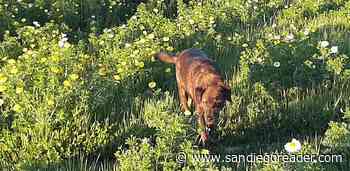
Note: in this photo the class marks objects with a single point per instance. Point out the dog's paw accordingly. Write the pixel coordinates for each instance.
(202, 139)
(187, 113)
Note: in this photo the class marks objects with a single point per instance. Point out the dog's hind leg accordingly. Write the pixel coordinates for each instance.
(183, 98)
(182, 91)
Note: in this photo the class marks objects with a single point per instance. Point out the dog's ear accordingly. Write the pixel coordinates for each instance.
(173, 54)
(227, 92)
(157, 54)
(198, 94)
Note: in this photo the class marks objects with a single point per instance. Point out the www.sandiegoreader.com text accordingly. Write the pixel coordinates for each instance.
(256, 158)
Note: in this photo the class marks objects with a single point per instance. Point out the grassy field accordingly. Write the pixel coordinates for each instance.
(80, 90)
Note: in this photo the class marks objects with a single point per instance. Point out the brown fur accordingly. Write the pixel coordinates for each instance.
(198, 79)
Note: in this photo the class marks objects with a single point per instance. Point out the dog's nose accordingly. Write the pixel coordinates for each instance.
(208, 131)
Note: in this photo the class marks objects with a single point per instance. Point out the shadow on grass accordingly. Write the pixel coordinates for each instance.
(297, 113)
(306, 100)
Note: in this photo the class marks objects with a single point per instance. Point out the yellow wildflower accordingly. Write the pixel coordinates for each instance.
(74, 77)
(3, 78)
(13, 70)
(55, 69)
(120, 70)
(50, 102)
(116, 77)
(19, 90)
(43, 60)
(141, 64)
(17, 108)
(2, 88)
(102, 71)
(67, 84)
(11, 61)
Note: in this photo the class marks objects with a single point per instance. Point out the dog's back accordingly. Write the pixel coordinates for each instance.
(196, 70)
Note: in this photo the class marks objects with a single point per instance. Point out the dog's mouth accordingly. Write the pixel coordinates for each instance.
(204, 137)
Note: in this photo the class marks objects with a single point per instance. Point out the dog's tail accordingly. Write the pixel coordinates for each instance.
(164, 57)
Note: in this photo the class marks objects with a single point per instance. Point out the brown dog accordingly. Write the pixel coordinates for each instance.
(198, 79)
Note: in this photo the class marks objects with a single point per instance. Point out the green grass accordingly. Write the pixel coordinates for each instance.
(88, 106)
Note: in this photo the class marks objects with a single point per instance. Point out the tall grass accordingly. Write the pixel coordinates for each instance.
(116, 117)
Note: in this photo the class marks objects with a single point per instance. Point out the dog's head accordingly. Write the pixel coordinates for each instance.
(213, 99)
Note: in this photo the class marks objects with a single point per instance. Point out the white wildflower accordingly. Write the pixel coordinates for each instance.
(191, 21)
(294, 146)
(334, 49)
(36, 24)
(292, 26)
(151, 36)
(127, 45)
(277, 37)
(145, 141)
(276, 64)
(324, 43)
(259, 60)
(63, 41)
(165, 39)
(289, 37)
(61, 44)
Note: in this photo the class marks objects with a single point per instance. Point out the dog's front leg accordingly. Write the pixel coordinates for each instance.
(203, 136)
